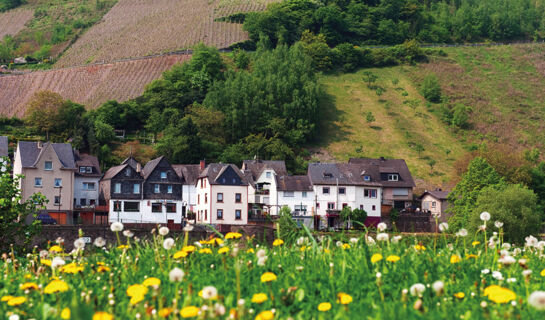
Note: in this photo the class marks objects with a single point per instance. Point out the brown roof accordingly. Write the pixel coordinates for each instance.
(438, 194)
(293, 183)
(87, 160)
(343, 174)
(256, 167)
(189, 173)
(113, 171)
(386, 166)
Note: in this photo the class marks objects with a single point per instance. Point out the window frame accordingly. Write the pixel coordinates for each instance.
(218, 197)
(324, 189)
(82, 171)
(289, 194)
(55, 183)
(391, 177)
(238, 214)
(118, 205)
(51, 165)
(169, 189)
(155, 205)
(303, 194)
(342, 190)
(55, 202)
(331, 206)
(163, 175)
(134, 185)
(219, 214)
(116, 190)
(157, 188)
(169, 206)
(238, 197)
(131, 210)
(36, 179)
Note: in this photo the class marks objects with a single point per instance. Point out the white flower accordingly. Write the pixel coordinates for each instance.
(541, 245)
(261, 253)
(339, 244)
(461, 233)
(13, 317)
(497, 275)
(531, 241)
(168, 243)
(537, 300)
(483, 227)
(485, 271)
(99, 242)
(209, 292)
(128, 233)
(188, 227)
(395, 239)
(498, 224)
(163, 231)
(301, 241)
(379, 275)
(526, 273)
(443, 226)
(382, 237)
(438, 286)
(516, 251)
(116, 227)
(261, 261)
(59, 240)
(219, 309)
(176, 275)
(381, 226)
(511, 280)
(57, 262)
(44, 254)
(241, 302)
(485, 216)
(483, 304)
(299, 268)
(417, 289)
(506, 246)
(370, 241)
(79, 243)
(354, 240)
(198, 244)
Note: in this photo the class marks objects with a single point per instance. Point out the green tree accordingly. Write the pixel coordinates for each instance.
(71, 123)
(369, 117)
(317, 49)
(460, 116)
(14, 210)
(431, 163)
(104, 133)
(463, 198)
(241, 59)
(514, 205)
(180, 142)
(41, 112)
(431, 90)
(370, 78)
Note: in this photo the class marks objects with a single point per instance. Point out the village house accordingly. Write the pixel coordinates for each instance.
(338, 185)
(222, 195)
(86, 189)
(435, 202)
(262, 186)
(3, 146)
(296, 193)
(49, 169)
(189, 174)
(395, 178)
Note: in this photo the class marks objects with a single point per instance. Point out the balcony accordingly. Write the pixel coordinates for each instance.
(260, 199)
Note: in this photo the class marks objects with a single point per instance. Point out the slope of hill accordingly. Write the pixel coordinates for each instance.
(13, 21)
(143, 27)
(90, 85)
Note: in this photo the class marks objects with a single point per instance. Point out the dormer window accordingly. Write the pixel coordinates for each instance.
(82, 169)
(393, 177)
(366, 178)
(328, 175)
(89, 169)
(163, 175)
(48, 165)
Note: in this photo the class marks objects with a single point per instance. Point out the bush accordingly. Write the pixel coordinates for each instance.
(514, 205)
(349, 57)
(460, 116)
(431, 90)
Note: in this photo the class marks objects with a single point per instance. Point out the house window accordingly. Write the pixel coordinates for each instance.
(204, 182)
(370, 193)
(393, 177)
(304, 194)
(89, 169)
(206, 198)
(171, 207)
(131, 206)
(366, 178)
(201, 183)
(330, 205)
(117, 206)
(128, 172)
(88, 186)
(300, 209)
(58, 182)
(92, 202)
(234, 181)
(156, 207)
(205, 214)
(288, 194)
(373, 207)
(342, 191)
(325, 190)
(157, 188)
(117, 187)
(169, 189)
(220, 197)
(136, 188)
(198, 199)
(268, 175)
(82, 169)
(317, 205)
(48, 165)
(83, 202)
(433, 204)
(38, 182)
(163, 175)
(238, 197)
(361, 206)
(57, 200)
(238, 214)
(220, 214)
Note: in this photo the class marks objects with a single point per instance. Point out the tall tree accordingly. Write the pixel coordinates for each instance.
(180, 142)
(41, 113)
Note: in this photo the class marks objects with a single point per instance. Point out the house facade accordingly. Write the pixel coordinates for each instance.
(222, 195)
(262, 185)
(297, 193)
(188, 174)
(86, 189)
(435, 202)
(49, 169)
(395, 178)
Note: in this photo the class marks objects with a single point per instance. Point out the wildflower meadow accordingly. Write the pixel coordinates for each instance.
(377, 275)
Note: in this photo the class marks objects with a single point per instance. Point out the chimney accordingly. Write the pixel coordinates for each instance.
(203, 164)
(138, 167)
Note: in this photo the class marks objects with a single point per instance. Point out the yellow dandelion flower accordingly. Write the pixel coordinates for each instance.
(278, 242)
(265, 315)
(205, 250)
(72, 268)
(233, 235)
(268, 277)
(189, 249)
(165, 312)
(474, 243)
(28, 276)
(189, 312)
(123, 246)
(393, 258)
(152, 281)
(180, 254)
(344, 298)
(303, 248)
(136, 298)
(419, 247)
(542, 273)
(217, 241)
(46, 262)
(326, 250)
(100, 263)
(6, 298)
(56, 286)
(459, 295)
(324, 306)
(65, 314)
(16, 301)
(346, 246)
(455, 258)
(103, 269)
(471, 256)
(376, 258)
(223, 250)
(28, 286)
(251, 250)
(259, 298)
(499, 294)
(101, 315)
(55, 249)
(137, 290)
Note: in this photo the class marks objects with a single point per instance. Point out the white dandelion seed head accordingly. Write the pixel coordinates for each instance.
(396, 239)
(176, 275)
(443, 226)
(209, 292)
(339, 244)
(79, 243)
(163, 231)
(354, 240)
(381, 226)
(462, 233)
(261, 253)
(417, 289)
(498, 224)
(44, 254)
(497, 275)
(382, 237)
(485, 271)
(99, 242)
(507, 260)
(537, 300)
(506, 246)
(370, 241)
(511, 280)
(485, 216)
(531, 241)
(57, 262)
(438, 286)
(261, 261)
(168, 243)
(116, 226)
(128, 233)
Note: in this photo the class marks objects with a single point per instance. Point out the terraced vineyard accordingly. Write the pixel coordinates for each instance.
(143, 27)
(89, 85)
(13, 21)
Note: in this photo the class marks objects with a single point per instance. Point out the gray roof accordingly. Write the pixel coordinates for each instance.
(256, 167)
(214, 170)
(132, 162)
(87, 160)
(3, 146)
(343, 174)
(293, 183)
(386, 166)
(30, 153)
(113, 171)
(187, 172)
(150, 166)
(438, 194)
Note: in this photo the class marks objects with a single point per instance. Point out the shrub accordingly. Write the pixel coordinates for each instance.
(431, 90)
(460, 116)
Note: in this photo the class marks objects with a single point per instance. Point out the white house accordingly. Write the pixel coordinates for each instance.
(222, 195)
(189, 173)
(262, 189)
(297, 193)
(337, 185)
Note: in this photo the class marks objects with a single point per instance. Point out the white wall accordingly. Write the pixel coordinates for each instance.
(297, 200)
(189, 194)
(145, 215)
(80, 193)
(273, 193)
(353, 197)
(228, 205)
